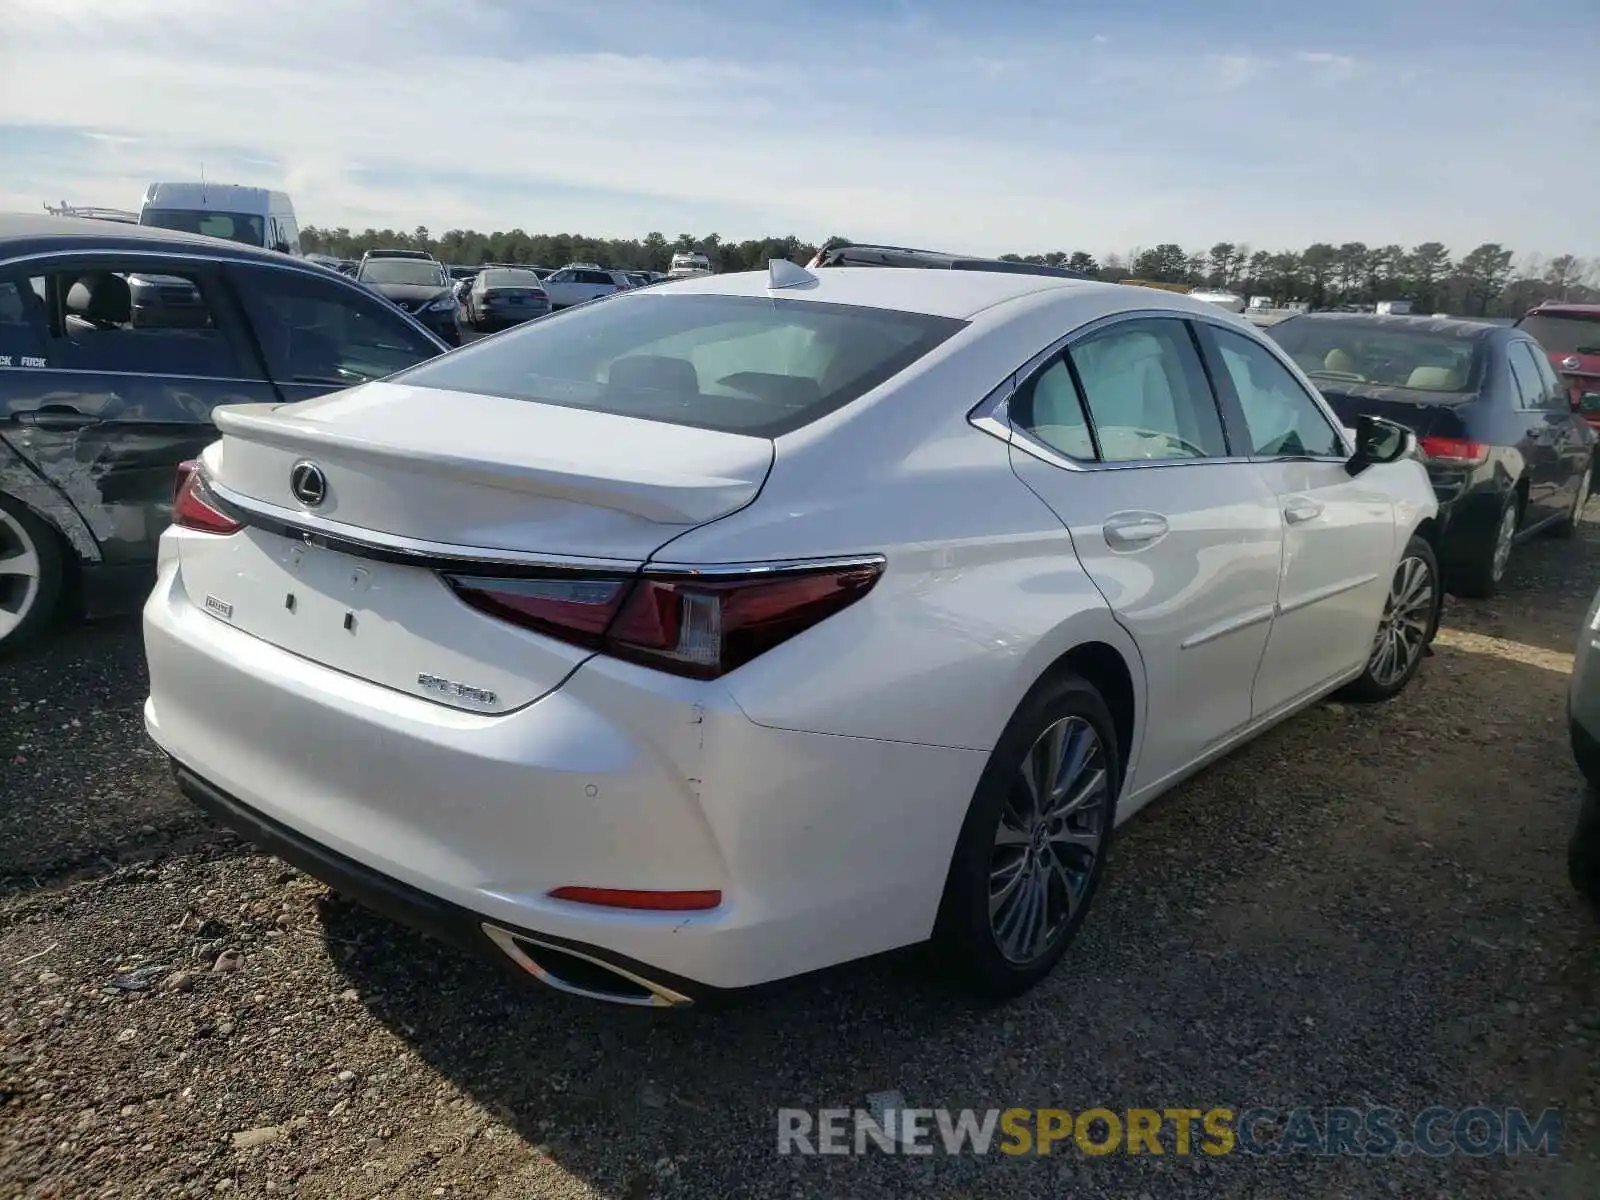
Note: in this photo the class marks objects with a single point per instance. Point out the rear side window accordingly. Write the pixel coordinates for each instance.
(317, 331)
(141, 323)
(740, 364)
(1147, 393)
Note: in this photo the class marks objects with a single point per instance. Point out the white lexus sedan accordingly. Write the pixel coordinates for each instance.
(754, 623)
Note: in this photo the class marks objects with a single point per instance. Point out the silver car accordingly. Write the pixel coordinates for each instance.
(1583, 709)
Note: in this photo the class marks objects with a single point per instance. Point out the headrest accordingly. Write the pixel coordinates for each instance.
(102, 299)
(1435, 379)
(1337, 360)
(653, 373)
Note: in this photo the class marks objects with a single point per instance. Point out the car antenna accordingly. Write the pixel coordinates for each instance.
(782, 273)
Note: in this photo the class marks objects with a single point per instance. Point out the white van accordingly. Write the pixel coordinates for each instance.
(689, 264)
(252, 215)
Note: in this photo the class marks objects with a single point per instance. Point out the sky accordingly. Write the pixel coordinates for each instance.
(1011, 125)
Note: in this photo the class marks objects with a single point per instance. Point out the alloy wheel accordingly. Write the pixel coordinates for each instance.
(1050, 834)
(20, 573)
(1503, 538)
(1403, 630)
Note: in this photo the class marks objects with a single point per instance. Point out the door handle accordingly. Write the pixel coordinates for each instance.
(56, 416)
(1134, 529)
(1299, 511)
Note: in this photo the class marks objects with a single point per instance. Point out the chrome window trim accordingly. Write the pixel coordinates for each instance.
(992, 415)
(262, 382)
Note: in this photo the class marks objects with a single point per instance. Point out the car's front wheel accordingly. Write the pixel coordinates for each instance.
(30, 575)
(1410, 619)
(1033, 847)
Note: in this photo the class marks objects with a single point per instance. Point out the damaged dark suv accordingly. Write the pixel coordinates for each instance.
(101, 398)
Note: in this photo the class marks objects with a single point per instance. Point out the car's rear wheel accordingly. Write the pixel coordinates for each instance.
(1583, 852)
(1409, 621)
(1033, 847)
(1480, 572)
(30, 575)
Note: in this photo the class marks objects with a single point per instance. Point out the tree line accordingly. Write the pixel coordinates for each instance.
(1484, 281)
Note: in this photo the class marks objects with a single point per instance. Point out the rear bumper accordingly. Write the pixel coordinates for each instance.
(825, 848)
(412, 907)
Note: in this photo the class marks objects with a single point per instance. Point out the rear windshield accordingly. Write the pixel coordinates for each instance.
(402, 271)
(1334, 352)
(249, 228)
(510, 279)
(739, 364)
(1564, 335)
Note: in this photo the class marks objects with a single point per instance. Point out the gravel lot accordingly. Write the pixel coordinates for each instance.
(1366, 906)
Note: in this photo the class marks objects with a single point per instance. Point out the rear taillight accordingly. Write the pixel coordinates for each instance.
(1453, 452)
(701, 626)
(194, 507)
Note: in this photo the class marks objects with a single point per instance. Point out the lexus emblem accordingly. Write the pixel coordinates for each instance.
(308, 484)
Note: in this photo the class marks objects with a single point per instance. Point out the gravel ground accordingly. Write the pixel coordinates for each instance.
(1365, 906)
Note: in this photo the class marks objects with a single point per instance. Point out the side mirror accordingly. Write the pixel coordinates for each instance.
(1379, 441)
(281, 247)
(1589, 402)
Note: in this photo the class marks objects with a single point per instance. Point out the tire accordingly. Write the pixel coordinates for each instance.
(1482, 569)
(1567, 527)
(1061, 859)
(1585, 752)
(1406, 628)
(31, 572)
(1583, 852)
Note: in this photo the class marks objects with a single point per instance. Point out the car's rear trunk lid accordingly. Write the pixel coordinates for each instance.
(419, 480)
(1424, 413)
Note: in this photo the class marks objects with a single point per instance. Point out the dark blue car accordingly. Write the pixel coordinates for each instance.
(104, 392)
(1508, 456)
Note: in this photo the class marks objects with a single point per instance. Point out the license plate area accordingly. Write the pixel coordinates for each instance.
(388, 623)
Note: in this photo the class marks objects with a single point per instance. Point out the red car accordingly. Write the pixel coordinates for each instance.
(1570, 335)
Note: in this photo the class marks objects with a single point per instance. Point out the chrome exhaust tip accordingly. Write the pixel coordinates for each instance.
(579, 974)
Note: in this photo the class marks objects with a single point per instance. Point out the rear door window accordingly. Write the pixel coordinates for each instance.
(734, 363)
(318, 331)
(1147, 392)
(164, 320)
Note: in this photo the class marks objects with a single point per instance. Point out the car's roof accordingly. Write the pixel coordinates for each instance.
(24, 233)
(1406, 323)
(958, 294)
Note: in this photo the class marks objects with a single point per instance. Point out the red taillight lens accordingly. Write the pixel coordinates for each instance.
(701, 626)
(1454, 452)
(575, 609)
(631, 898)
(193, 506)
(707, 627)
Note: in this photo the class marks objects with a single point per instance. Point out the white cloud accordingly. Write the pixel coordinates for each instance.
(1332, 67)
(494, 114)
